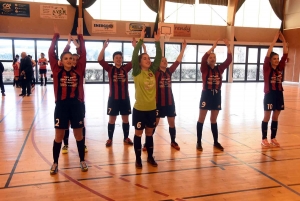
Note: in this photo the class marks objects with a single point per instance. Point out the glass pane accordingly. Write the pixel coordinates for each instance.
(219, 13)
(278, 50)
(239, 54)
(224, 76)
(221, 53)
(238, 72)
(107, 7)
(251, 72)
(93, 49)
(202, 49)
(147, 15)
(106, 76)
(93, 72)
(263, 53)
(252, 55)
(130, 78)
(199, 74)
(130, 10)
(25, 46)
(176, 74)
(188, 72)
(171, 12)
(94, 10)
(189, 53)
(62, 45)
(261, 73)
(151, 50)
(8, 74)
(111, 49)
(128, 49)
(172, 51)
(185, 14)
(43, 47)
(6, 49)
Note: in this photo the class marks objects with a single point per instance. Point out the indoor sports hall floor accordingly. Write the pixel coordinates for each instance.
(244, 171)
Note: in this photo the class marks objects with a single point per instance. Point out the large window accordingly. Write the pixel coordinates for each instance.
(248, 62)
(189, 69)
(129, 10)
(195, 14)
(257, 13)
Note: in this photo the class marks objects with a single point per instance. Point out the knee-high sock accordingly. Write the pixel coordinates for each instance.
(110, 129)
(137, 143)
(83, 134)
(214, 130)
(42, 80)
(149, 145)
(172, 132)
(45, 81)
(274, 126)
(125, 127)
(264, 129)
(80, 147)
(56, 151)
(66, 137)
(199, 131)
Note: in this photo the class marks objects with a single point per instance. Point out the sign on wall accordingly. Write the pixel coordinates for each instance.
(182, 30)
(166, 29)
(135, 28)
(106, 27)
(53, 12)
(14, 9)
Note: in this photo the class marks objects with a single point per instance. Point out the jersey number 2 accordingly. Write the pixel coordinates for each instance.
(57, 122)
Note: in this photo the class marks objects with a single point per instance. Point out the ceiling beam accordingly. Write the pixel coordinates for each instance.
(232, 6)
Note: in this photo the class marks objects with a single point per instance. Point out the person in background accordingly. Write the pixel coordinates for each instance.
(26, 74)
(1, 79)
(43, 62)
(16, 67)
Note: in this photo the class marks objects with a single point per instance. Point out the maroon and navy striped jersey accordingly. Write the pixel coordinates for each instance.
(118, 79)
(273, 77)
(212, 78)
(68, 84)
(164, 94)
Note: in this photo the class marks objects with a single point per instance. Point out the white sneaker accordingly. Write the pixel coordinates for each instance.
(265, 143)
(274, 142)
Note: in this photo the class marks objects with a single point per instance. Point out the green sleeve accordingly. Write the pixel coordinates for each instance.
(155, 66)
(135, 59)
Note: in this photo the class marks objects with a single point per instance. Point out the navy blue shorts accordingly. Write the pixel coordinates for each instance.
(68, 111)
(273, 101)
(210, 100)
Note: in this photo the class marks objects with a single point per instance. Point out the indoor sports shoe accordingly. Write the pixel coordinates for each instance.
(128, 141)
(108, 143)
(64, 150)
(85, 149)
(175, 145)
(144, 147)
(265, 143)
(138, 164)
(274, 142)
(84, 167)
(218, 146)
(199, 146)
(54, 169)
(152, 162)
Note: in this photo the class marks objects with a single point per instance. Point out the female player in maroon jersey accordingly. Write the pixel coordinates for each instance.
(273, 99)
(165, 105)
(68, 90)
(211, 92)
(118, 100)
